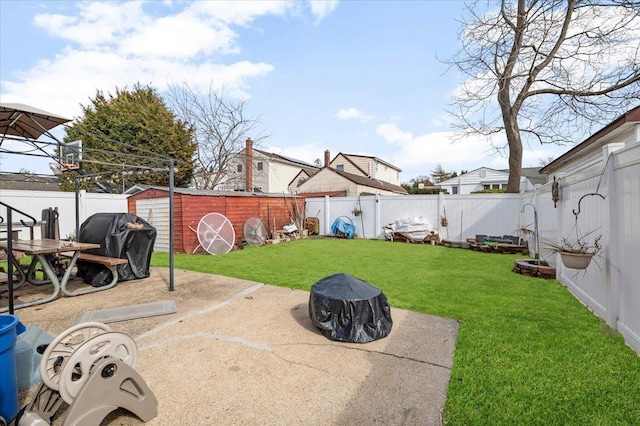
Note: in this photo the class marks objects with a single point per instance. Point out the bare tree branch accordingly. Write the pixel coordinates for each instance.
(547, 71)
(220, 129)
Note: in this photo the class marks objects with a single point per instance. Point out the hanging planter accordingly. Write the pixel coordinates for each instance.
(443, 219)
(577, 254)
(576, 260)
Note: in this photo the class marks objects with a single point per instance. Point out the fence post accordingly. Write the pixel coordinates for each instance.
(440, 212)
(327, 227)
(376, 220)
(613, 244)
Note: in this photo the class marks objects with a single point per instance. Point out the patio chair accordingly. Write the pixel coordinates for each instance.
(50, 229)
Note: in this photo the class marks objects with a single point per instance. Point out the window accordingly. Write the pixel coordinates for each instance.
(495, 186)
(504, 186)
(483, 174)
(454, 190)
(260, 165)
(486, 186)
(340, 167)
(239, 168)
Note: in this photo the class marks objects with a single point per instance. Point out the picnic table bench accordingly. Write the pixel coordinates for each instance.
(111, 263)
(41, 250)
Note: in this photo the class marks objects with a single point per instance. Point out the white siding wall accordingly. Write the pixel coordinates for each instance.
(33, 202)
(327, 180)
(386, 174)
(280, 175)
(260, 177)
(475, 181)
(368, 165)
(348, 166)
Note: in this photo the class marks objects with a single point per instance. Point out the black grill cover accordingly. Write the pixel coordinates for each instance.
(121, 235)
(349, 309)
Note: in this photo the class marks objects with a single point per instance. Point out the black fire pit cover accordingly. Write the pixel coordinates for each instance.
(349, 309)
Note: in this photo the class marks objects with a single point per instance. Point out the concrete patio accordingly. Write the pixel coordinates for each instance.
(240, 352)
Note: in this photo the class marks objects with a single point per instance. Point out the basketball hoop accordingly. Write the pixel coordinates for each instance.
(59, 168)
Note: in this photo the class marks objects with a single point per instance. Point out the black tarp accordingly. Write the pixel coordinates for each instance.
(349, 309)
(121, 235)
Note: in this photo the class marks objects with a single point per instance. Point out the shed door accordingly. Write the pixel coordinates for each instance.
(156, 212)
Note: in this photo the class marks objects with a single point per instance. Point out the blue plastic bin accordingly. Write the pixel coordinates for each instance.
(10, 327)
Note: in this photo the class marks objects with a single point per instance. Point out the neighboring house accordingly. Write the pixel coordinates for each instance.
(28, 182)
(363, 165)
(484, 178)
(592, 153)
(269, 172)
(353, 175)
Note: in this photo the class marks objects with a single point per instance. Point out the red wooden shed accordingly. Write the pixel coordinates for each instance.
(190, 205)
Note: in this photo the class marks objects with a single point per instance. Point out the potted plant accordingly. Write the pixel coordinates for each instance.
(577, 254)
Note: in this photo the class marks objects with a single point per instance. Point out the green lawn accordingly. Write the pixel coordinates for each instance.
(527, 353)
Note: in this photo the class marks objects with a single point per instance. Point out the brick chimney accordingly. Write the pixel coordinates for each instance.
(327, 158)
(248, 152)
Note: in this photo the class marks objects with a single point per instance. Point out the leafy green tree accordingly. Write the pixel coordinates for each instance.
(128, 137)
(420, 185)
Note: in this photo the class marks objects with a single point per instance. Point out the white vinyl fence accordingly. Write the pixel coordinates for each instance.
(33, 202)
(467, 215)
(609, 286)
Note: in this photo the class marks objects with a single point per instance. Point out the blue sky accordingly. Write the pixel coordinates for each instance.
(359, 77)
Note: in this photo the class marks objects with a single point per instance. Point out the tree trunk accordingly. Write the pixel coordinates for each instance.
(515, 150)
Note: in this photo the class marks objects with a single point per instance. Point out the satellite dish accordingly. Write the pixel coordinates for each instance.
(255, 233)
(216, 234)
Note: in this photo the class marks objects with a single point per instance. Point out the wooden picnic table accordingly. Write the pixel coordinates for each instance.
(41, 251)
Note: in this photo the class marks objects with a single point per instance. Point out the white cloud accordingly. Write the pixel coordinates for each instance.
(120, 44)
(307, 152)
(96, 24)
(180, 36)
(73, 76)
(240, 12)
(321, 8)
(424, 152)
(352, 114)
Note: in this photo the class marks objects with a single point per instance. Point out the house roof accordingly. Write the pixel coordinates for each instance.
(618, 125)
(29, 182)
(455, 179)
(212, 193)
(302, 174)
(366, 156)
(371, 183)
(309, 168)
(325, 193)
(533, 174)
